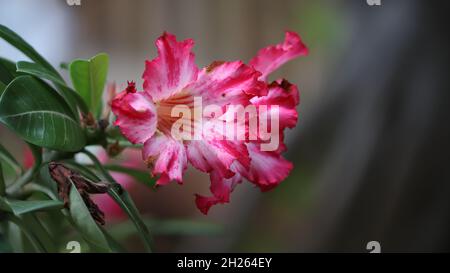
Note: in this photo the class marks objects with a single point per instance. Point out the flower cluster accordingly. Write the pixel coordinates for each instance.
(173, 79)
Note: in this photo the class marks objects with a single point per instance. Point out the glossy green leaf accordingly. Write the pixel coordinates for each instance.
(88, 228)
(7, 71)
(34, 224)
(2, 88)
(38, 71)
(39, 115)
(124, 200)
(15, 40)
(72, 98)
(89, 79)
(18, 207)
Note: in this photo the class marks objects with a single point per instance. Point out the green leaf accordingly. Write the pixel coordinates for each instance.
(122, 198)
(18, 207)
(34, 224)
(38, 245)
(140, 176)
(6, 157)
(14, 235)
(38, 114)
(7, 71)
(72, 98)
(44, 178)
(89, 79)
(15, 40)
(124, 201)
(84, 223)
(38, 71)
(2, 88)
(113, 243)
(50, 188)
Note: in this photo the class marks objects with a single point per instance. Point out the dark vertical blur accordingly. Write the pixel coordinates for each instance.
(385, 175)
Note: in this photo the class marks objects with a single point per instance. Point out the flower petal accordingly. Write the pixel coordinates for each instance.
(168, 157)
(272, 57)
(136, 116)
(267, 169)
(217, 156)
(284, 95)
(204, 203)
(220, 188)
(172, 70)
(224, 83)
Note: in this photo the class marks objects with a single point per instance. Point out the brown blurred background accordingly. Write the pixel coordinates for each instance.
(371, 146)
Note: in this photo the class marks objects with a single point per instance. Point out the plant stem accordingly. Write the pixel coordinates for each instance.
(20, 182)
(122, 198)
(29, 174)
(32, 187)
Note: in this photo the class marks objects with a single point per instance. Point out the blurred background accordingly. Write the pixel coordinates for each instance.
(371, 149)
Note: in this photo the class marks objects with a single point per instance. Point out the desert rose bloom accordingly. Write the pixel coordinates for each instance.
(173, 79)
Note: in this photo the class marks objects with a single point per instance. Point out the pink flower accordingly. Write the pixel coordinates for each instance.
(172, 79)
